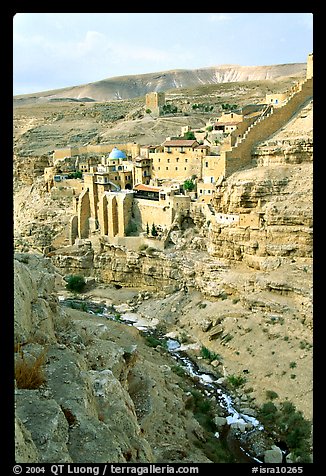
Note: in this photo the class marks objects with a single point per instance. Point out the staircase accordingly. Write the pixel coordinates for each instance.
(270, 121)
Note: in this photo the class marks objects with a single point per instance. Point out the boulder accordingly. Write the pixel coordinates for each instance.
(220, 421)
(274, 455)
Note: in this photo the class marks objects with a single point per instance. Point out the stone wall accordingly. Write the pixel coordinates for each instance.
(84, 213)
(130, 148)
(240, 155)
(149, 211)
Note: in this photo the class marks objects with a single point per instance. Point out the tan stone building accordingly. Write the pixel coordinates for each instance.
(158, 205)
(178, 159)
(277, 99)
(310, 66)
(142, 170)
(154, 102)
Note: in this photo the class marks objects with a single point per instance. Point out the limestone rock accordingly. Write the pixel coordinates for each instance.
(274, 455)
(47, 424)
(25, 448)
(220, 421)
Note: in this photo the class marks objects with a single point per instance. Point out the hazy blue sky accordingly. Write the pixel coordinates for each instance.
(56, 50)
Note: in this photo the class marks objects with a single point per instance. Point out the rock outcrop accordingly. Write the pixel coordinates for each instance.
(105, 396)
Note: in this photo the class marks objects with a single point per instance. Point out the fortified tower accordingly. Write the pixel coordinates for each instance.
(310, 66)
(155, 102)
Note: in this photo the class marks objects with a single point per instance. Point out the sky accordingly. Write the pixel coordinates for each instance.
(58, 50)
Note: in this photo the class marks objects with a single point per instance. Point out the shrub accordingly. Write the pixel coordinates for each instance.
(154, 230)
(236, 380)
(208, 354)
(75, 283)
(28, 373)
(289, 425)
(131, 229)
(179, 370)
(271, 395)
(189, 135)
(152, 341)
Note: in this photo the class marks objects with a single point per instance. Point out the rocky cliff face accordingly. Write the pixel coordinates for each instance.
(282, 195)
(105, 396)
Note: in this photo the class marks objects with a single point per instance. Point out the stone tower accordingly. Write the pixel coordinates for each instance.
(155, 102)
(310, 66)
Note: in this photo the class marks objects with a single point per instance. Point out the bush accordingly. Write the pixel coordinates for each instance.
(189, 135)
(209, 355)
(75, 283)
(154, 230)
(271, 395)
(28, 373)
(179, 370)
(290, 426)
(131, 229)
(236, 381)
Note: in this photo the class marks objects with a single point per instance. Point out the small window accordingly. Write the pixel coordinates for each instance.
(176, 168)
(166, 168)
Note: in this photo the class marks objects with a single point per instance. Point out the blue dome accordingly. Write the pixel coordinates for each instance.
(117, 154)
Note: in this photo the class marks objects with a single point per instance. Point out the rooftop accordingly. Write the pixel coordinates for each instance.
(146, 188)
(180, 143)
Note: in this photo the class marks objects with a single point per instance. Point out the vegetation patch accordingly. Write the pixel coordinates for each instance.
(75, 283)
(209, 355)
(290, 426)
(236, 381)
(29, 373)
(215, 449)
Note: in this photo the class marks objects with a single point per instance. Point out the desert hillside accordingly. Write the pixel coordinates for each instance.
(127, 87)
(42, 126)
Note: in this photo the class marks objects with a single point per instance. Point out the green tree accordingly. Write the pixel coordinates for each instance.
(154, 230)
(188, 185)
(147, 228)
(75, 283)
(189, 135)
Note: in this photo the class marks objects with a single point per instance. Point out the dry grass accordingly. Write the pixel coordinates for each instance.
(30, 374)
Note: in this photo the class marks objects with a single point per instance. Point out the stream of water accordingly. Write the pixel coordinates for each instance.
(206, 381)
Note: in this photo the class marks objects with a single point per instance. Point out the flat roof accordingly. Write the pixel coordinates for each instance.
(146, 188)
(180, 142)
